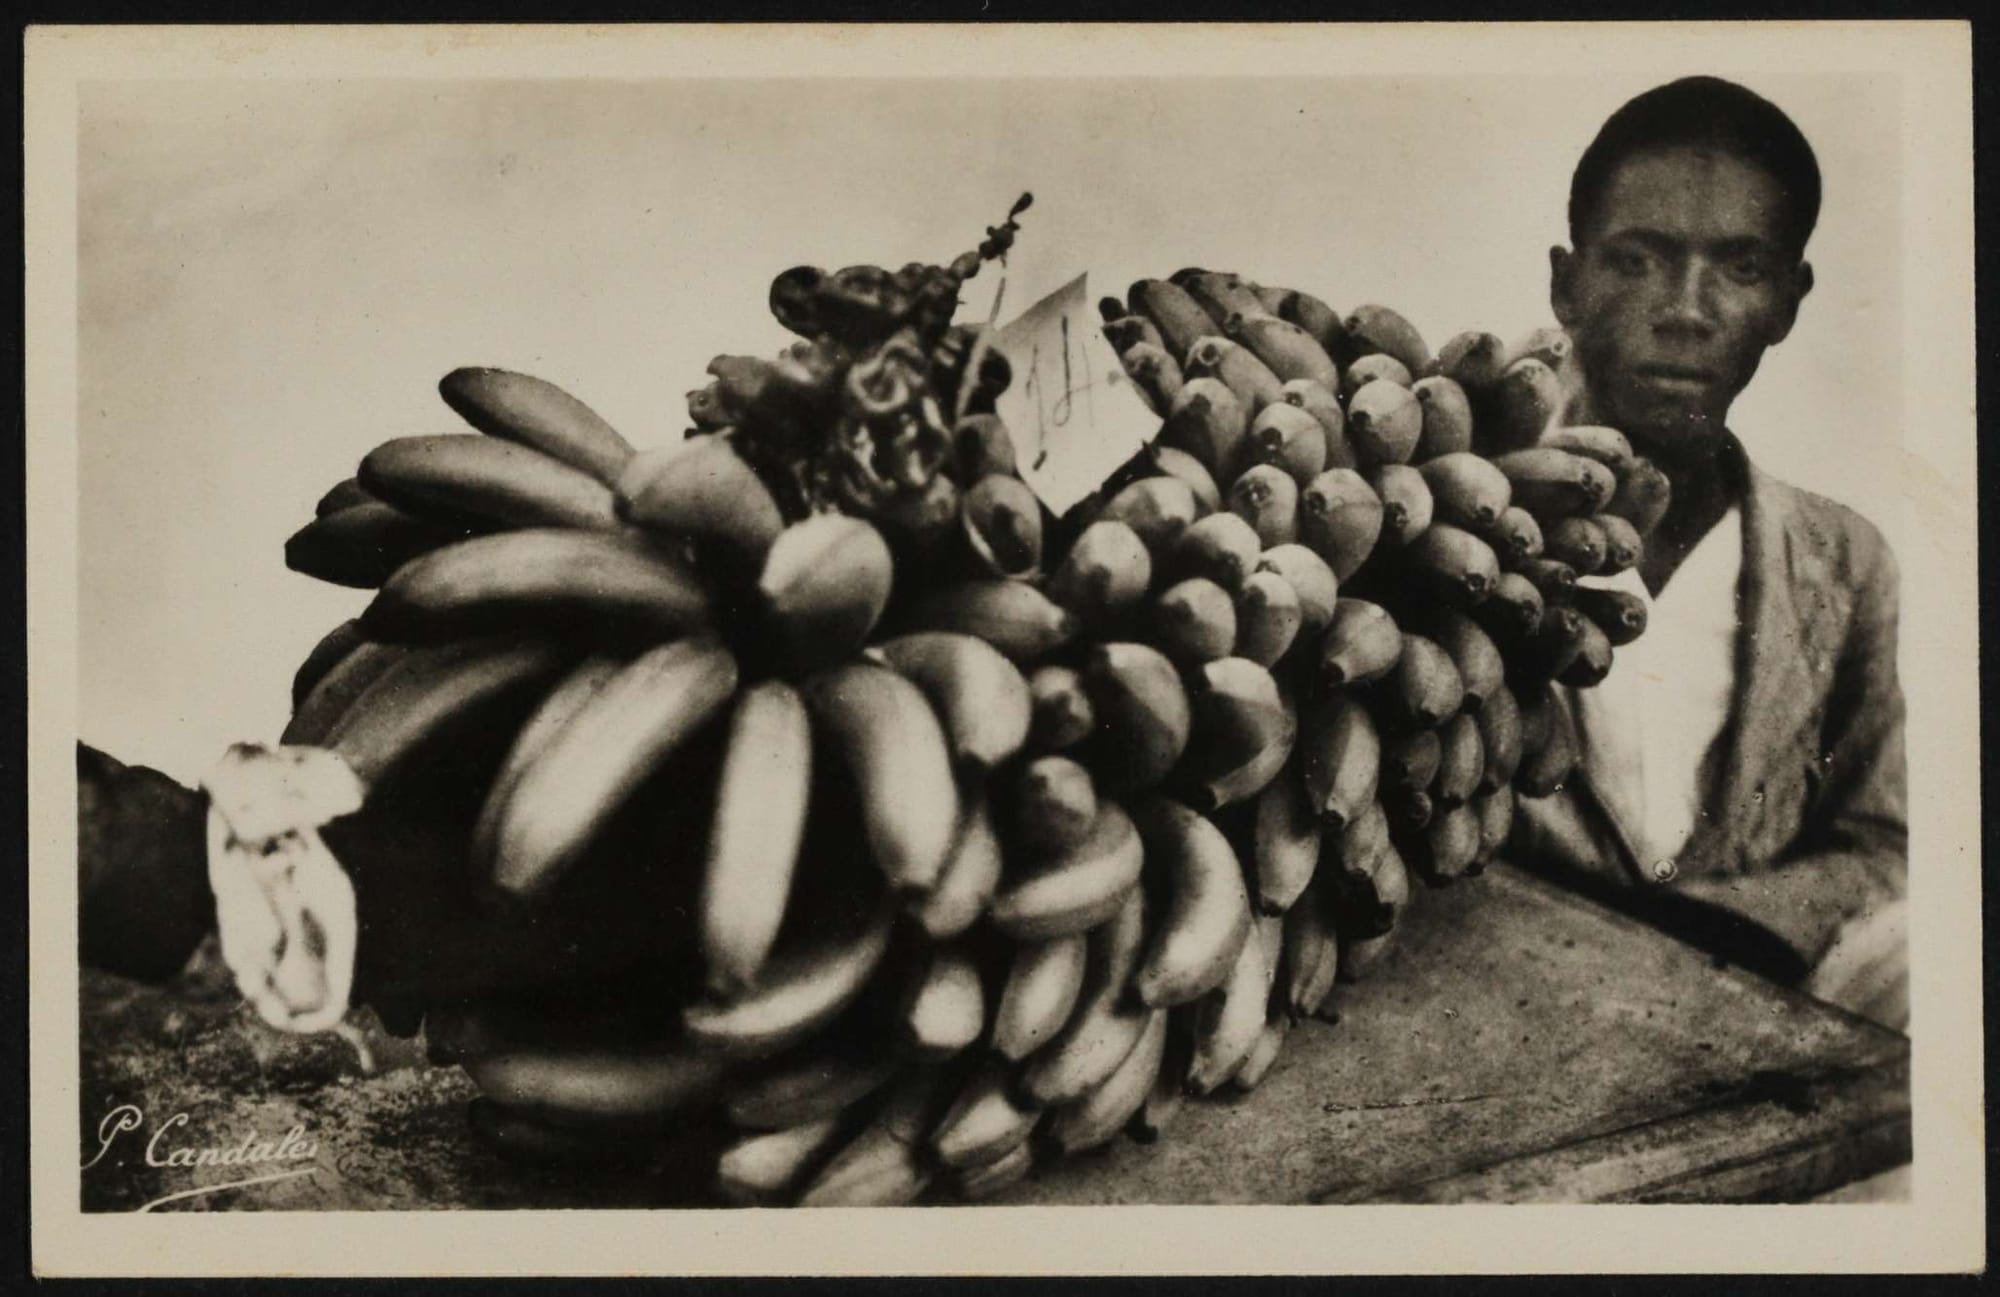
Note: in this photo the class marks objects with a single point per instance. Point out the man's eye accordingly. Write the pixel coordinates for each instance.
(1748, 269)
(1626, 261)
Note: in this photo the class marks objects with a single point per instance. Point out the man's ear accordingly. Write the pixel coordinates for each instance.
(1802, 282)
(1562, 266)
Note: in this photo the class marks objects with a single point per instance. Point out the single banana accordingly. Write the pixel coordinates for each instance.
(1074, 890)
(1311, 579)
(980, 696)
(1623, 546)
(883, 1164)
(1552, 483)
(1179, 317)
(1447, 418)
(1548, 344)
(1339, 518)
(545, 576)
(984, 1122)
(480, 477)
(754, 838)
(325, 656)
(1012, 616)
(1229, 1021)
(1104, 1026)
(1054, 806)
(1458, 566)
(1266, 497)
(1155, 375)
(1499, 739)
(1474, 360)
(1620, 614)
(1207, 919)
(638, 1089)
(561, 705)
(1318, 319)
(1461, 762)
(1410, 811)
(1105, 574)
(977, 1183)
(1374, 328)
(1406, 502)
(1221, 294)
(1143, 715)
(1268, 617)
(983, 445)
(700, 488)
(1287, 843)
(424, 693)
(335, 691)
(1244, 729)
(824, 583)
(1376, 367)
(1481, 670)
(1238, 368)
(1318, 400)
(1208, 421)
(1466, 490)
(800, 1090)
(1128, 331)
(764, 1170)
(1158, 508)
(1063, 716)
(1605, 445)
(1002, 524)
(1578, 542)
(601, 756)
(1286, 349)
(1515, 535)
(1169, 1092)
(944, 1007)
(1449, 844)
(890, 740)
(1341, 758)
(1040, 992)
(1410, 761)
(1097, 1117)
(971, 875)
(1526, 401)
(1644, 494)
(1194, 621)
(1276, 300)
(1221, 547)
(1513, 609)
(1425, 684)
(364, 545)
(1263, 1054)
(1311, 956)
(1592, 661)
(800, 992)
(538, 414)
(1180, 464)
(1496, 820)
(344, 494)
(1362, 643)
(1384, 422)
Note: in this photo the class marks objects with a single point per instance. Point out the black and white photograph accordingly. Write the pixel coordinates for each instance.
(713, 623)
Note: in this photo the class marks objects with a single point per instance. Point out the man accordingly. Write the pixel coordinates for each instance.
(1743, 773)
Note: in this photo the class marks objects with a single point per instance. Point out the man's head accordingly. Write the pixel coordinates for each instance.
(1689, 215)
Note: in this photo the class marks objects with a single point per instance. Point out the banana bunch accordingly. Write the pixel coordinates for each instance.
(1002, 832)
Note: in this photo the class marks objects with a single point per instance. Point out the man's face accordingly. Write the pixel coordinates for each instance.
(1680, 281)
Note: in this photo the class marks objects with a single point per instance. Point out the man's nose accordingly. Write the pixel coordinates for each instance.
(1689, 301)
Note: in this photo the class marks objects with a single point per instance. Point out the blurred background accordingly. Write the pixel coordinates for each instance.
(273, 275)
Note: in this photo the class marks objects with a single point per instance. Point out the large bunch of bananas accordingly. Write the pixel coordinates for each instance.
(1010, 830)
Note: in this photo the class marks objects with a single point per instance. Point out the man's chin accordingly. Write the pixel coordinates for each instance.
(1672, 433)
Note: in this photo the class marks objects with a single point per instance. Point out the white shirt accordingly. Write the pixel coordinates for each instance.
(1647, 726)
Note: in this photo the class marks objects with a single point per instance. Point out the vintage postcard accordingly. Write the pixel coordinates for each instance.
(1188, 649)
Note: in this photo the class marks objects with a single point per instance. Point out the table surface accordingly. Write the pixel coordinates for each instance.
(1521, 1044)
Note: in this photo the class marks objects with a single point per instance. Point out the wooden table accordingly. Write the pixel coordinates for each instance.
(1521, 1045)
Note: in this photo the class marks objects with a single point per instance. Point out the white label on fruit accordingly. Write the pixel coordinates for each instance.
(1071, 408)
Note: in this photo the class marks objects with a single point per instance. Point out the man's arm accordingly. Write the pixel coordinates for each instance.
(1851, 855)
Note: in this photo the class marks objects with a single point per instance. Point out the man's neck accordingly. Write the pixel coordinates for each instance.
(1706, 483)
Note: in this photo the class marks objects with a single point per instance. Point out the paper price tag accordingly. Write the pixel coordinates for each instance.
(1071, 408)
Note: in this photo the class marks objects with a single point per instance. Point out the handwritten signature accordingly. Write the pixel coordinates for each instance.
(252, 1150)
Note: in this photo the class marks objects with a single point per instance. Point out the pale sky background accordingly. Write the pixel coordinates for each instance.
(274, 275)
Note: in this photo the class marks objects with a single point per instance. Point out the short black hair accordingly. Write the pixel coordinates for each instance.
(1703, 112)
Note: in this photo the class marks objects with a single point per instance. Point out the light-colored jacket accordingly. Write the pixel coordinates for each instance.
(1804, 825)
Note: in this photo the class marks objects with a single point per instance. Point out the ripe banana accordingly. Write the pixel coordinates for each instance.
(1097, 1117)
(971, 875)
(324, 656)
(1623, 546)
(1341, 758)
(1054, 807)
(1643, 496)
(1425, 684)
(1467, 491)
(1155, 375)
(1002, 523)
(1578, 542)
(1410, 761)
(980, 696)
(601, 756)
(980, 1182)
(1318, 400)
(1040, 993)
(1159, 508)
(1208, 421)
(1548, 344)
(1554, 483)
(1458, 566)
(1220, 294)
(1461, 762)
(1447, 418)
(1515, 535)
(1310, 578)
(1244, 729)
(479, 477)
(700, 488)
(344, 494)
(1376, 367)
(1526, 400)
(545, 576)
(1076, 889)
(1362, 643)
(800, 992)
(1481, 670)
(1592, 660)
(1207, 919)
(981, 446)
(1605, 445)
(944, 1007)
(1406, 502)
(817, 1085)
(1266, 497)
(1228, 1021)
(1063, 716)
(1012, 616)
(364, 545)
(1263, 1055)
(537, 414)
(1143, 715)
(551, 715)
(1268, 617)
(1221, 547)
(1374, 328)
(424, 693)
(881, 1166)
(1106, 572)
(1620, 614)
(1180, 464)
(1194, 621)
(890, 740)
(335, 691)
(1128, 331)
(1179, 317)
(1286, 349)
(1104, 1026)
(824, 583)
(1499, 739)
(1339, 518)
(1311, 958)
(633, 1090)
(1496, 821)
(1318, 319)
(1169, 1092)
(1474, 360)
(754, 838)
(1238, 368)
(983, 1123)
(1449, 844)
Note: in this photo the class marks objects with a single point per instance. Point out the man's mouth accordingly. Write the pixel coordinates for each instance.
(1677, 379)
